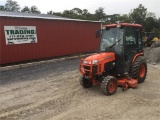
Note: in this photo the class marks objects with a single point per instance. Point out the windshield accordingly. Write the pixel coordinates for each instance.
(111, 36)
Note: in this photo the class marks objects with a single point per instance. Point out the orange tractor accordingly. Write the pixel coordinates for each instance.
(120, 59)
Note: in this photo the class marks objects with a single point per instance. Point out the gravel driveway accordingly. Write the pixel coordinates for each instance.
(52, 92)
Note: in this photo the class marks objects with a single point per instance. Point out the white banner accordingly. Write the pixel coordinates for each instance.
(20, 34)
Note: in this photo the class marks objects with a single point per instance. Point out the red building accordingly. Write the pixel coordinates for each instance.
(25, 36)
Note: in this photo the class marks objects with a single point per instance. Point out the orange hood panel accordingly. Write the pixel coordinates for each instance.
(107, 56)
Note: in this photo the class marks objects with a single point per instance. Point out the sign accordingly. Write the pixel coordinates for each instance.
(20, 34)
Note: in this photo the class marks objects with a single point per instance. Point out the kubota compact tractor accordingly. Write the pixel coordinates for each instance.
(120, 59)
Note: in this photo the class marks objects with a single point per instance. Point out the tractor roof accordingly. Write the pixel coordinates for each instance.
(122, 24)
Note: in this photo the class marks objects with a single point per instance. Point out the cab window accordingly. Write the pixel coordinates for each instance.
(130, 36)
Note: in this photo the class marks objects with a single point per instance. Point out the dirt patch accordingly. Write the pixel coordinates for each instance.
(156, 44)
(152, 53)
(52, 92)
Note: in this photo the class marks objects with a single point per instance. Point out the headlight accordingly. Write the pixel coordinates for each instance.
(89, 62)
(84, 62)
(94, 61)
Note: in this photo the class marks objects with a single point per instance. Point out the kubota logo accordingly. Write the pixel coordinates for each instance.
(109, 57)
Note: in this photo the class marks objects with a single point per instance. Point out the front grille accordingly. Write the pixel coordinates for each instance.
(94, 69)
(86, 67)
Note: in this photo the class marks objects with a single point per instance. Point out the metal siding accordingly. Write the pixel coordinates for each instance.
(0, 41)
(55, 38)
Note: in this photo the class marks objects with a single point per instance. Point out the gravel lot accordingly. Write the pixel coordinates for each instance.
(52, 92)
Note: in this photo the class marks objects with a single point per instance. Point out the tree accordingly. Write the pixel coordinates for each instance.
(85, 12)
(158, 24)
(112, 18)
(1, 8)
(50, 12)
(34, 9)
(149, 24)
(55, 13)
(58, 14)
(123, 18)
(26, 9)
(156, 32)
(86, 15)
(139, 14)
(68, 13)
(11, 6)
(76, 11)
(99, 13)
(151, 14)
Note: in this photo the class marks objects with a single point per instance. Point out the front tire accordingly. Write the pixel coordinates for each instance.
(86, 83)
(139, 69)
(109, 85)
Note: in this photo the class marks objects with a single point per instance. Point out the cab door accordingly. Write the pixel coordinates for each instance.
(132, 45)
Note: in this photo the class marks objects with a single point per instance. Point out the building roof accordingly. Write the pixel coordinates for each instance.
(30, 15)
(40, 16)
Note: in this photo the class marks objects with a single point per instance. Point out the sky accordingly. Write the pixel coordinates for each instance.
(110, 6)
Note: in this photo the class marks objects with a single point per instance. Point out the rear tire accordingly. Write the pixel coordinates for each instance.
(109, 85)
(86, 83)
(139, 69)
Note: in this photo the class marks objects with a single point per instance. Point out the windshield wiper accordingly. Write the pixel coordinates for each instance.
(115, 43)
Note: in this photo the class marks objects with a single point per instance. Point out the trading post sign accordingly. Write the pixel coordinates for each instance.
(20, 34)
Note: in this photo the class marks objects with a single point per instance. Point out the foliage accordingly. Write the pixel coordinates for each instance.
(11, 6)
(1, 8)
(140, 15)
(149, 24)
(156, 32)
(50, 12)
(75, 13)
(124, 18)
(151, 14)
(26, 9)
(34, 9)
(99, 14)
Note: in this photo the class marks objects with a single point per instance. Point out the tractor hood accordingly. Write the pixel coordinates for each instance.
(107, 56)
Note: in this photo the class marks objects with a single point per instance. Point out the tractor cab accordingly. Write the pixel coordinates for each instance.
(120, 59)
(125, 40)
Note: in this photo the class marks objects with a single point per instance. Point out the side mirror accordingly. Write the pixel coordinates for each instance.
(98, 33)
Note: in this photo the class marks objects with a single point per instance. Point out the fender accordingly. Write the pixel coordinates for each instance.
(139, 54)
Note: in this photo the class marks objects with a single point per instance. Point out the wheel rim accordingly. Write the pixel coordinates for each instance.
(111, 87)
(142, 71)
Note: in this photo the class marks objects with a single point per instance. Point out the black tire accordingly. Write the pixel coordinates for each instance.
(109, 85)
(139, 69)
(86, 83)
